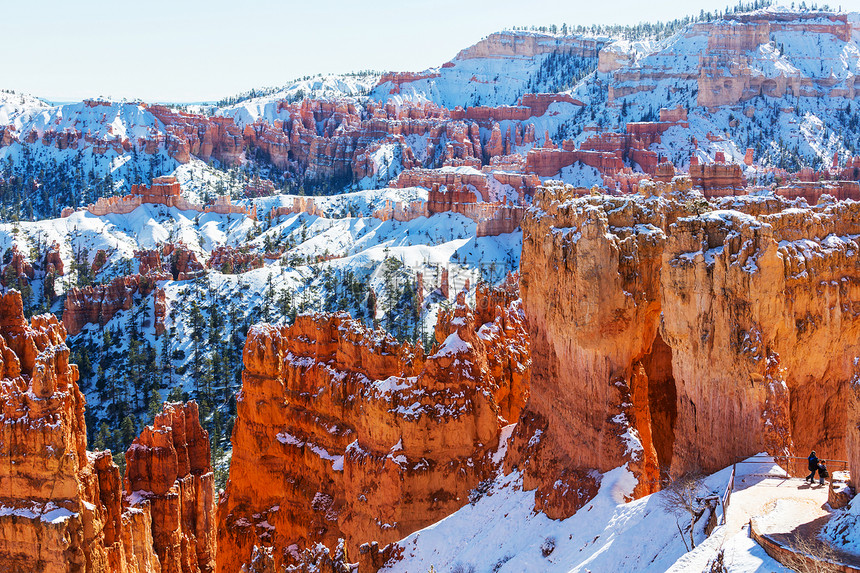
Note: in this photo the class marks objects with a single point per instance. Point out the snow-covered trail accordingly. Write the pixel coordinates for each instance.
(779, 502)
(782, 507)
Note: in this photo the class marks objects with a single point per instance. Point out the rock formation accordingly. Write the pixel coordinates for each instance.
(342, 433)
(59, 504)
(159, 310)
(53, 262)
(168, 471)
(728, 75)
(717, 179)
(163, 191)
(18, 267)
(853, 433)
(509, 44)
(62, 508)
(230, 260)
(99, 303)
(183, 262)
(671, 341)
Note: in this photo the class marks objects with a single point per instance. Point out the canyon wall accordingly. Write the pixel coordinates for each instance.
(728, 73)
(853, 433)
(345, 434)
(163, 191)
(97, 304)
(715, 179)
(673, 341)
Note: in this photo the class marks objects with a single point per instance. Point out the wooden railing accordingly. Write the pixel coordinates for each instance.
(727, 495)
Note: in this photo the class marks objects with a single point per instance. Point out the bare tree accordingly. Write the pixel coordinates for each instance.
(810, 555)
(681, 496)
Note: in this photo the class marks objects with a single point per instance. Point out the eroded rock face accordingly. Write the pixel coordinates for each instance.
(673, 341)
(53, 262)
(727, 72)
(853, 434)
(99, 303)
(168, 471)
(18, 267)
(231, 260)
(59, 504)
(62, 509)
(510, 44)
(344, 433)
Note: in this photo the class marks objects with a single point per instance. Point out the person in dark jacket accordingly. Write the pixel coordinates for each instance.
(813, 467)
(822, 472)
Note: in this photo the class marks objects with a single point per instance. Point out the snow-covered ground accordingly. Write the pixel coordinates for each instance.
(501, 532)
(843, 530)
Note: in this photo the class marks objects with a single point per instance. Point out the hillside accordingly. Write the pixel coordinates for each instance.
(778, 81)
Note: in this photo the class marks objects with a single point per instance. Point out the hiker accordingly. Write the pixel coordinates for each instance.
(822, 472)
(813, 467)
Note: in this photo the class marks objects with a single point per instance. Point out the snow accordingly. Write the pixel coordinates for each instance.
(319, 87)
(453, 345)
(843, 529)
(290, 440)
(492, 79)
(138, 496)
(358, 203)
(47, 513)
(17, 108)
(501, 532)
(394, 384)
(579, 175)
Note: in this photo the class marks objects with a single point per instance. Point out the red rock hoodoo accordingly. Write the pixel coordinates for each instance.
(59, 504)
(168, 470)
(342, 433)
(671, 341)
(99, 303)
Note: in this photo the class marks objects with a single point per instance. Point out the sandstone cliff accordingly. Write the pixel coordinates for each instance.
(59, 504)
(853, 433)
(509, 44)
(670, 340)
(343, 433)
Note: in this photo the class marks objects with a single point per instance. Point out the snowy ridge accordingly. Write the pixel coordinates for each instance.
(332, 86)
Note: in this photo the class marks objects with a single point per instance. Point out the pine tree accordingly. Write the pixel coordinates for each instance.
(103, 438)
(127, 431)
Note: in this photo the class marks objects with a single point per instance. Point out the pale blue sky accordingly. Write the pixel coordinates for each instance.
(182, 50)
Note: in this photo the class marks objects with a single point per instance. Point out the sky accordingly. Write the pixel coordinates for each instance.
(191, 51)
